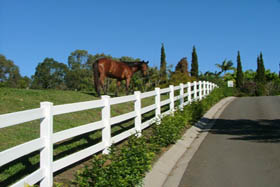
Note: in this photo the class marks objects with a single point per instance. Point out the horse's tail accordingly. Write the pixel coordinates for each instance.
(96, 75)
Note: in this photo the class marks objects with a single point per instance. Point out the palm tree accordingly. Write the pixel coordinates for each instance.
(225, 66)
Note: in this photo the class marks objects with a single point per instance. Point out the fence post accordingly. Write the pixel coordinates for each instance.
(137, 109)
(194, 90)
(106, 131)
(171, 97)
(157, 102)
(200, 90)
(208, 88)
(204, 88)
(181, 96)
(46, 154)
(189, 92)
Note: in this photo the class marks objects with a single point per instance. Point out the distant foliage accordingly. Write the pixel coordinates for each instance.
(182, 66)
(50, 74)
(212, 77)
(181, 74)
(260, 82)
(225, 66)
(239, 77)
(79, 76)
(194, 66)
(10, 75)
(163, 73)
(260, 77)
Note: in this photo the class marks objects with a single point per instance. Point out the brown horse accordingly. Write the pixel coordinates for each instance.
(106, 67)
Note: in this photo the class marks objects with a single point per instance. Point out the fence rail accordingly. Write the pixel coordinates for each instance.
(44, 175)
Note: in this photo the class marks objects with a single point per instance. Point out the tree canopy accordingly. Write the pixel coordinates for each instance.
(225, 66)
(10, 75)
(182, 66)
(163, 73)
(50, 74)
(239, 76)
(194, 65)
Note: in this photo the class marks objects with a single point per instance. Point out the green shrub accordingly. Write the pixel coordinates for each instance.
(260, 89)
(127, 165)
(124, 167)
(169, 131)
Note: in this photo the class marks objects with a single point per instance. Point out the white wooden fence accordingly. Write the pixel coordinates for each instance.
(44, 175)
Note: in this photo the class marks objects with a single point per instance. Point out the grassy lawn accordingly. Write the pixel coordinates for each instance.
(12, 100)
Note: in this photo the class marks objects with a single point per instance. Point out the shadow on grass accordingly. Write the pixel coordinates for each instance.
(70, 145)
(28, 168)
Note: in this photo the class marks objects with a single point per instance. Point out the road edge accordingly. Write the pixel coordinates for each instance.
(170, 167)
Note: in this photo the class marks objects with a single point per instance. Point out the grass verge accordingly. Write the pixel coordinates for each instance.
(13, 100)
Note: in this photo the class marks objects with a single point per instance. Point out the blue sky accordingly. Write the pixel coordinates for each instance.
(33, 30)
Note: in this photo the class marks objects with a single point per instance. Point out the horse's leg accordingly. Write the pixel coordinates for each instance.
(102, 81)
(117, 89)
(127, 85)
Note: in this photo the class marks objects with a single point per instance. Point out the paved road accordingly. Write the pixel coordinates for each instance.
(242, 149)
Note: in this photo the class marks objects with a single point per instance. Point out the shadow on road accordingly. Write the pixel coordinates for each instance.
(264, 131)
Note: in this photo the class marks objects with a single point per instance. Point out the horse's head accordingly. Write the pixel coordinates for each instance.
(144, 68)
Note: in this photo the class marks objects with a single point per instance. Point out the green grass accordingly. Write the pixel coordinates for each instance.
(13, 100)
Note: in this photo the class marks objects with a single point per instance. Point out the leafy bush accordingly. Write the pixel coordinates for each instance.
(123, 167)
(249, 88)
(260, 91)
(273, 87)
(169, 131)
(127, 165)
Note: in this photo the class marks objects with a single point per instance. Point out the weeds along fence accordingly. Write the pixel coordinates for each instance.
(46, 112)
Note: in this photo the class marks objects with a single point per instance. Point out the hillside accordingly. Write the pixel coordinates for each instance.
(13, 100)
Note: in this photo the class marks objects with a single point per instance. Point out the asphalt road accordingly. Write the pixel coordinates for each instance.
(242, 149)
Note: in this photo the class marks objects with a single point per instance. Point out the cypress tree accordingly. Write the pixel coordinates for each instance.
(194, 65)
(262, 70)
(163, 74)
(279, 71)
(258, 70)
(260, 76)
(239, 77)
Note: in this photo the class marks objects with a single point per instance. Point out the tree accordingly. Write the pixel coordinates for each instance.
(50, 74)
(239, 77)
(260, 76)
(163, 74)
(78, 59)
(182, 66)
(181, 74)
(270, 76)
(9, 73)
(79, 76)
(4, 68)
(25, 82)
(194, 65)
(249, 75)
(153, 78)
(225, 66)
